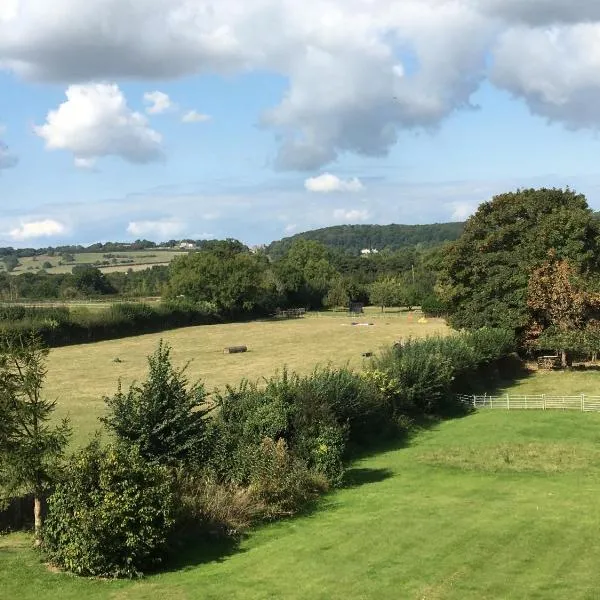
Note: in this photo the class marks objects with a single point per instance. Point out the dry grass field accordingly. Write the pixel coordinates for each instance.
(79, 376)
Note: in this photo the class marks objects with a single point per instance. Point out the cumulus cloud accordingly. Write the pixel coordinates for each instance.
(37, 229)
(555, 70)
(158, 102)
(163, 229)
(94, 122)
(358, 71)
(327, 182)
(350, 216)
(193, 116)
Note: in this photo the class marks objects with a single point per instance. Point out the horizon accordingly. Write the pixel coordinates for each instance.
(258, 121)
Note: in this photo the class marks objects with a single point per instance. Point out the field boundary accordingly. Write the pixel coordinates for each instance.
(580, 402)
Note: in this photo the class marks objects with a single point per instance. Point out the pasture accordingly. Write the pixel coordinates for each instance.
(474, 508)
(79, 376)
(105, 261)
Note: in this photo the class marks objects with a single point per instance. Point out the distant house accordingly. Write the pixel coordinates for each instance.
(187, 246)
(367, 251)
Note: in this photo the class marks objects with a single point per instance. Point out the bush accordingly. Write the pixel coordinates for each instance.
(432, 306)
(111, 515)
(281, 481)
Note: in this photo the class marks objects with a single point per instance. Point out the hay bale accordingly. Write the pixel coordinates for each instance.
(235, 349)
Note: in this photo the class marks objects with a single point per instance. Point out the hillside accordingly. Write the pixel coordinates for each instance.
(354, 238)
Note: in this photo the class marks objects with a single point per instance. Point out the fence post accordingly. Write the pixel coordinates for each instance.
(507, 402)
(544, 399)
(474, 403)
(582, 402)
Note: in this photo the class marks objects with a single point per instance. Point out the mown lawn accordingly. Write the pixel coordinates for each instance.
(79, 376)
(475, 508)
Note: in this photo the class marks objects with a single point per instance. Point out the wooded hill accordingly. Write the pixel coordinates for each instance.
(354, 238)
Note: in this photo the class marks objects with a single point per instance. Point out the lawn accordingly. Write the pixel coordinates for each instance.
(79, 376)
(475, 508)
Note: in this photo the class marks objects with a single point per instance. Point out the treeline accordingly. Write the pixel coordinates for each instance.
(352, 239)
(62, 326)
(177, 470)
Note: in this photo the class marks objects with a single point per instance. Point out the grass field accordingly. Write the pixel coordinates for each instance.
(120, 261)
(476, 508)
(79, 376)
(568, 383)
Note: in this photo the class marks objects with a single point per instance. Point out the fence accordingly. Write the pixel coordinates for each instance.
(581, 402)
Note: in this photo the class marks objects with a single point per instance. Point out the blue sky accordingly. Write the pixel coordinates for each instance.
(266, 118)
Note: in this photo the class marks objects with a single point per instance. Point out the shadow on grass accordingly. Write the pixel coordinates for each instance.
(358, 476)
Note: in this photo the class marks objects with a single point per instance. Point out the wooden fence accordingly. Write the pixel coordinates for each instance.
(581, 402)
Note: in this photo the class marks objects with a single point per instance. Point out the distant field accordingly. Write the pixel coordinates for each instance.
(494, 506)
(119, 261)
(79, 376)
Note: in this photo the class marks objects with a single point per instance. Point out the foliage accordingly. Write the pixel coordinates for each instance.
(354, 238)
(386, 292)
(282, 481)
(111, 514)
(31, 448)
(233, 281)
(163, 417)
(487, 270)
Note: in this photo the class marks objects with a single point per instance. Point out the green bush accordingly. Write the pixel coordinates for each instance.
(281, 481)
(111, 515)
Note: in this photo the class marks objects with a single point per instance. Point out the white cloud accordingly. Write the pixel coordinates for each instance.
(290, 228)
(350, 216)
(327, 182)
(163, 229)
(159, 103)
(194, 116)
(37, 229)
(461, 211)
(358, 71)
(94, 122)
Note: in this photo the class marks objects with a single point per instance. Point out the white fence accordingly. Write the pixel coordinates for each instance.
(581, 402)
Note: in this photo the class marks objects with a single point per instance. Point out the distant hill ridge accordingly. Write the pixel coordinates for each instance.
(355, 238)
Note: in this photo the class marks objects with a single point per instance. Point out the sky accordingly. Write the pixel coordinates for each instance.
(258, 119)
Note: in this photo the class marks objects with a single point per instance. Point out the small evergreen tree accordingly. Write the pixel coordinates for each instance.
(163, 417)
(31, 450)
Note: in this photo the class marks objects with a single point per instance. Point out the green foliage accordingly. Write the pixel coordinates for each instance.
(487, 270)
(354, 238)
(282, 481)
(386, 292)
(234, 282)
(433, 306)
(421, 377)
(163, 417)
(111, 514)
(31, 448)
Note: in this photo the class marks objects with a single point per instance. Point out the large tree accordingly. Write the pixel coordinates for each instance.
(486, 272)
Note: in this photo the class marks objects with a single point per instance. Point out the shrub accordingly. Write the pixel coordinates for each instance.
(111, 515)
(281, 481)
(163, 417)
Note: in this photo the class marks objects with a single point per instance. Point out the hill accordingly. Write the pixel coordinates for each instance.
(354, 238)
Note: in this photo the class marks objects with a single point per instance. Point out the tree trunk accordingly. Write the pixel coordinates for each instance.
(38, 518)
(563, 358)
(382, 306)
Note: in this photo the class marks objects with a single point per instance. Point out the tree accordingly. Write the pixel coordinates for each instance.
(91, 281)
(486, 272)
(337, 295)
(163, 417)
(235, 282)
(31, 450)
(385, 292)
(560, 306)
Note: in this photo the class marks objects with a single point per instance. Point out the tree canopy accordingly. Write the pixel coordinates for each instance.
(486, 271)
